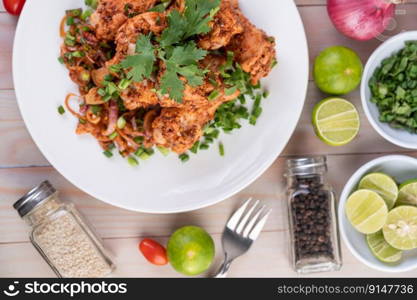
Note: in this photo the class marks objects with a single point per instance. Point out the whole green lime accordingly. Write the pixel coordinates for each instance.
(337, 70)
(190, 250)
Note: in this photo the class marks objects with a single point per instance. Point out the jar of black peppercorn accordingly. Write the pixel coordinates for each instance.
(315, 243)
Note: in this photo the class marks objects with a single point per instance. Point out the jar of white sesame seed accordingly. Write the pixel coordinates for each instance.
(61, 235)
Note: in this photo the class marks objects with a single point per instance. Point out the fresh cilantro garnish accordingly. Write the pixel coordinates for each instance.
(195, 20)
(179, 54)
(182, 62)
(140, 64)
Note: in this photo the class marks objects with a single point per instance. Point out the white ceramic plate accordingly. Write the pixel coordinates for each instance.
(398, 137)
(160, 185)
(401, 168)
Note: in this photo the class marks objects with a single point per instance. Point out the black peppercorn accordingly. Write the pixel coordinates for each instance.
(310, 207)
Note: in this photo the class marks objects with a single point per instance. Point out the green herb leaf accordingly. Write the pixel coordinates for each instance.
(140, 64)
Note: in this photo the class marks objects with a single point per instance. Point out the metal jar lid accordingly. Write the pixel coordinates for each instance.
(306, 165)
(33, 198)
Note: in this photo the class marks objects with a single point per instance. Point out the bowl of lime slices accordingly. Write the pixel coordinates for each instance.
(378, 214)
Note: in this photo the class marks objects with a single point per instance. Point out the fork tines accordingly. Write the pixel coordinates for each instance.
(249, 219)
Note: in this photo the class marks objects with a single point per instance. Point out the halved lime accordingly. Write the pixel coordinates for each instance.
(336, 121)
(400, 230)
(381, 249)
(408, 193)
(366, 211)
(382, 184)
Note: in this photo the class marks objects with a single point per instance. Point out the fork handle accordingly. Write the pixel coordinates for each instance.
(224, 268)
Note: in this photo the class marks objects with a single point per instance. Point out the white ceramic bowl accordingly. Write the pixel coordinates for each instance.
(401, 168)
(398, 137)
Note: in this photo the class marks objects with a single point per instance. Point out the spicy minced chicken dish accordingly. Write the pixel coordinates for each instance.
(163, 74)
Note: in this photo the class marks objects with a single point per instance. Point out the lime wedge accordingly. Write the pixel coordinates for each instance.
(382, 184)
(408, 193)
(381, 249)
(336, 121)
(400, 230)
(366, 211)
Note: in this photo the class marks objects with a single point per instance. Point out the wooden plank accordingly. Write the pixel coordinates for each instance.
(7, 30)
(268, 258)
(18, 148)
(112, 222)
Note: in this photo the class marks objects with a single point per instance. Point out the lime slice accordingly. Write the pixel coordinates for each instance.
(336, 121)
(408, 193)
(382, 184)
(381, 249)
(400, 230)
(366, 211)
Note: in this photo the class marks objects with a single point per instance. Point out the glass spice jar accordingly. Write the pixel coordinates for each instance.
(315, 243)
(61, 235)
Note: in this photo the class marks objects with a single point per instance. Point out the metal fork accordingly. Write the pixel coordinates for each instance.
(242, 229)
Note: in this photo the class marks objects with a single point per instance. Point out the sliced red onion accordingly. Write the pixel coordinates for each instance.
(113, 113)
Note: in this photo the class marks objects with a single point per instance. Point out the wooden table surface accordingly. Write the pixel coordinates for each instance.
(22, 166)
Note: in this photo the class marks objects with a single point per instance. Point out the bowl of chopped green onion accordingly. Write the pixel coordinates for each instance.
(389, 90)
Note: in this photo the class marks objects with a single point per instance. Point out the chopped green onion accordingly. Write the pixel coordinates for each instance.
(231, 91)
(265, 94)
(124, 84)
(108, 77)
(107, 153)
(61, 110)
(184, 157)
(144, 156)
(150, 151)
(113, 135)
(86, 14)
(82, 121)
(204, 146)
(194, 148)
(101, 92)
(221, 149)
(70, 20)
(163, 150)
(139, 152)
(121, 123)
(107, 98)
(78, 54)
(92, 3)
(75, 12)
(115, 68)
(96, 109)
(132, 161)
(111, 88)
(69, 42)
(138, 139)
(213, 95)
(61, 59)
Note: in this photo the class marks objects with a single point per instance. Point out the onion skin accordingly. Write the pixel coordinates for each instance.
(361, 19)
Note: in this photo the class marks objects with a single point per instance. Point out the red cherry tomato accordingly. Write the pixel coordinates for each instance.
(14, 7)
(154, 252)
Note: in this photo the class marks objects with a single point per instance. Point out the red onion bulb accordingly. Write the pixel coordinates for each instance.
(361, 19)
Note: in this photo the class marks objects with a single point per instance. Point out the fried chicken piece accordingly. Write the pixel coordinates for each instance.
(198, 96)
(254, 50)
(111, 14)
(225, 26)
(139, 94)
(179, 129)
